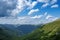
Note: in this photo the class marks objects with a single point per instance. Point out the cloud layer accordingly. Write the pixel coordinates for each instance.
(9, 9)
(14, 7)
(33, 11)
(34, 20)
(6, 6)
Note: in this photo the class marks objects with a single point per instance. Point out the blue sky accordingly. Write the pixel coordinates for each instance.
(29, 11)
(55, 11)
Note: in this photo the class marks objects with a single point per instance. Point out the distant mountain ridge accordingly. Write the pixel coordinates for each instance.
(19, 29)
(27, 28)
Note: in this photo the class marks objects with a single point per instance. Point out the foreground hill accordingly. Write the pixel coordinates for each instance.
(50, 31)
(4, 35)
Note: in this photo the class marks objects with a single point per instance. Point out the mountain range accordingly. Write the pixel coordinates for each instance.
(49, 31)
(18, 29)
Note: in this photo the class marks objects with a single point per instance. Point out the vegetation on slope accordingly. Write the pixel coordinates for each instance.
(50, 31)
(6, 35)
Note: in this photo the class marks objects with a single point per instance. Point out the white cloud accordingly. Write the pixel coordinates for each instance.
(16, 6)
(45, 13)
(9, 2)
(45, 5)
(6, 5)
(31, 5)
(21, 4)
(53, 1)
(37, 16)
(33, 11)
(19, 7)
(37, 19)
(19, 20)
(55, 6)
(47, 2)
(49, 16)
(43, 1)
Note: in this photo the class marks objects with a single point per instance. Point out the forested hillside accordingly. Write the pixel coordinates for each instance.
(50, 31)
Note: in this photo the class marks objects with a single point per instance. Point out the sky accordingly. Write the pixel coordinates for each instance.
(29, 11)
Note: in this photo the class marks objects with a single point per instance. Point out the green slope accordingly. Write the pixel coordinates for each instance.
(4, 35)
(50, 31)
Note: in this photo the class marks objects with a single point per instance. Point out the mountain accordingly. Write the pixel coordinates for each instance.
(13, 32)
(49, 31)
(18, 29)
(10, 29)
(4, 35)
(27, 28)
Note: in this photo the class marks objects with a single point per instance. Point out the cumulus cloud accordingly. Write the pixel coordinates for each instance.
(45, 13)
(55, 6)
(37, 19)
(45, 5)
(37, 16)
(47, 2)
(19, 20)
(13, 7)
(43, 1)
(19, 7)
(33, 11)
(31, 5)
(53, 1)
(6, 6)
(49, 16)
